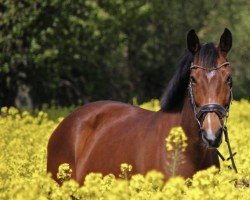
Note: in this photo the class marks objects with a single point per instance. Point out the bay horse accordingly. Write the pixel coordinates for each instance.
(99, 136)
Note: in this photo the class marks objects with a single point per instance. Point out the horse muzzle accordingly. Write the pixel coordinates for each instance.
(212, 140)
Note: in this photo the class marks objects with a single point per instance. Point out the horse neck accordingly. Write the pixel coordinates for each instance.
(200, 155)
(188, 121)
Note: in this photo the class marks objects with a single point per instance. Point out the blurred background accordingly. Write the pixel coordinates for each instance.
(70, 52)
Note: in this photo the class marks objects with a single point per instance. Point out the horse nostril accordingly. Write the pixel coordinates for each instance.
(205, 136)
(209, 141)
(213, 140)
(219, 136)
(219, 132)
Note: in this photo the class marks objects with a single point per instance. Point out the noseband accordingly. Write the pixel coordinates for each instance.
(221, 111)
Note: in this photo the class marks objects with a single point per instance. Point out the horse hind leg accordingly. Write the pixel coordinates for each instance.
(57, 155)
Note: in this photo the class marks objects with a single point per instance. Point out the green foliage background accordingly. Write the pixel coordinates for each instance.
(68, 52)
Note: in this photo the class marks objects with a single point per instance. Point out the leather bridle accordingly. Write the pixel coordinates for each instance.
(221, 111)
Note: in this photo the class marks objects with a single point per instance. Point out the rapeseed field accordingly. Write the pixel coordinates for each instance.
(23, 143)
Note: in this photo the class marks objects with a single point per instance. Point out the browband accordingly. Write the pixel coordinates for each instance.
(207, 68)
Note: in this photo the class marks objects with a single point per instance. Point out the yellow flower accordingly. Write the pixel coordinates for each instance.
(176, 139)
(64, 172)
(125, 169)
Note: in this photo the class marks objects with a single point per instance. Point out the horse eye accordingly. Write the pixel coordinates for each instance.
(229, 81)
(192, 80)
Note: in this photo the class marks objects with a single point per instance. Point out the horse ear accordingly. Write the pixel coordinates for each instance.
(193, 43)
(226, 41)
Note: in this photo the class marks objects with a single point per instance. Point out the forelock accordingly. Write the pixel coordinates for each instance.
(208, 55)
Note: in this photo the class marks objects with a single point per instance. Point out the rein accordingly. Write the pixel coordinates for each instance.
(221, 111)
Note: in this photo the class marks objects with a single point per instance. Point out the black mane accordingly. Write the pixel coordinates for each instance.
(175, 93)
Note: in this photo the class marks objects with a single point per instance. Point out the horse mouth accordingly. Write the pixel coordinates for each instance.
(211, 144)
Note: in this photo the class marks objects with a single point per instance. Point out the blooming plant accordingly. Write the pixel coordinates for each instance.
(64, 172)
(175, 145)
(23, 144)
(125, 169)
